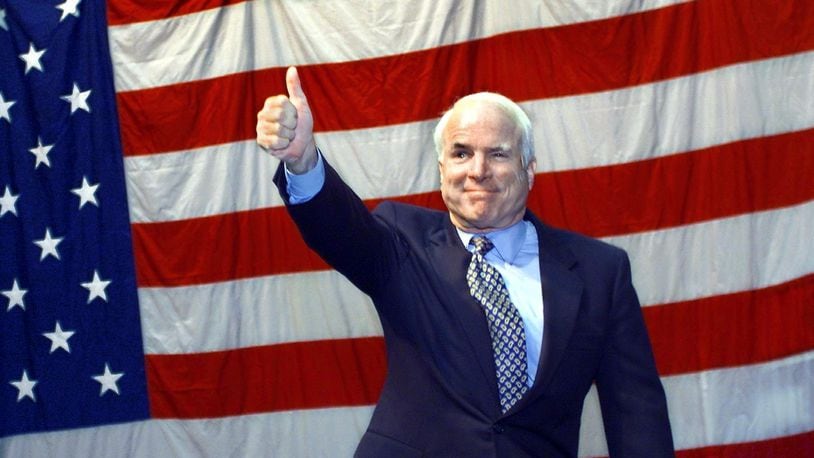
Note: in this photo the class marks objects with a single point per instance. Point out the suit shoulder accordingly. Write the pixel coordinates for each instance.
(583, 246)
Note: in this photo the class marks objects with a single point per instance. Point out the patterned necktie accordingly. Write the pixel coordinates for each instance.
(505, 324)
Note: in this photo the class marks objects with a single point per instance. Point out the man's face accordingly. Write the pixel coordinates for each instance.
(483, 182)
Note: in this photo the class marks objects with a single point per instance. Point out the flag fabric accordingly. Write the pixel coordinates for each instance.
(682, 131)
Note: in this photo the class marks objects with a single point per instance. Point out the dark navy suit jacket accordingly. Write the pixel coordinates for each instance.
(440, 394)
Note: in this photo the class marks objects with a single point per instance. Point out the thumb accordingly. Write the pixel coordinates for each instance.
(292, 82)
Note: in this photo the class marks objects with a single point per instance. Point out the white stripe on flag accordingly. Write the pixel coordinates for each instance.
(299, 433)
(256, 311)
(707, 259)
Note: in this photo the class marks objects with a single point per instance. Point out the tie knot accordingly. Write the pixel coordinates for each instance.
(482, 244)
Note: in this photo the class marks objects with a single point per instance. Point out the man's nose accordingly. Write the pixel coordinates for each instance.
(479, 167)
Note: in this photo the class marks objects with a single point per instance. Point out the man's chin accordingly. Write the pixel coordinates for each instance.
(473, 222)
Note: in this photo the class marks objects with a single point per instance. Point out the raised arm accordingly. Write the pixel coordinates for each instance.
(332, 219)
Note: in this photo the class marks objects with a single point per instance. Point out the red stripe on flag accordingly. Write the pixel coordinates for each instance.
(799, 445)
(761, 325)
(573, 59)
(121, 12)
(304, 375)
(725, 180)
(221, 247)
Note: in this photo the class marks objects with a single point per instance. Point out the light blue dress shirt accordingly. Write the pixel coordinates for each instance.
(515, 256)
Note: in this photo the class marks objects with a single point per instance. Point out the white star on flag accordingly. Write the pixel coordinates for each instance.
(78, 99)
(69, 7)
(59, 338)
(4, 108)
(41, 153)
(108, 380)
(8, 203)
(96, 287)
(32, 58)
(48, 245)
(3, 24)
(15, 296)
(25, 387)
(86, 193)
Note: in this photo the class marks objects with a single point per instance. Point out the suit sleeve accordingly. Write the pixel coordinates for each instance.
(634, 408)
(337, 225)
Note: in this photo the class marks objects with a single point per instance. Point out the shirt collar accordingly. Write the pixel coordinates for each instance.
(508, 241)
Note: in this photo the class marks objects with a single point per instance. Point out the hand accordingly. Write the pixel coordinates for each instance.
(285, 127)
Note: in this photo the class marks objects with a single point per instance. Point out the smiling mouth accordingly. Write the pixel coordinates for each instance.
(480, 194)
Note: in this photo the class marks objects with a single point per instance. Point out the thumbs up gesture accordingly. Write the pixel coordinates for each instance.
(285, 127)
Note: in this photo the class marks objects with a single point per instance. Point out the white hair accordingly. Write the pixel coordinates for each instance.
(513, 111)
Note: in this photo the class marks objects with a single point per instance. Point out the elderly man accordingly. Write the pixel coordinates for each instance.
(495, 324)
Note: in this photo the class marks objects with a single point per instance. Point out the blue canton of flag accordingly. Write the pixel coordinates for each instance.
(71, 352)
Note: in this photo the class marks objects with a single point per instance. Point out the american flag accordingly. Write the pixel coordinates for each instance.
(682, 131)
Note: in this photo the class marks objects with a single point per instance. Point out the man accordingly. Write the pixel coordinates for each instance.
(492, 343)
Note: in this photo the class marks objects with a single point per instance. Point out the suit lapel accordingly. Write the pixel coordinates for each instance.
(562, 291)
(451, 260)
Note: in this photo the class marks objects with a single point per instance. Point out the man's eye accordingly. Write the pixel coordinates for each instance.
(460, 154)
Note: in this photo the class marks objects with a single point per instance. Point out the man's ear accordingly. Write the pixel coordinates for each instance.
(530, 169)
